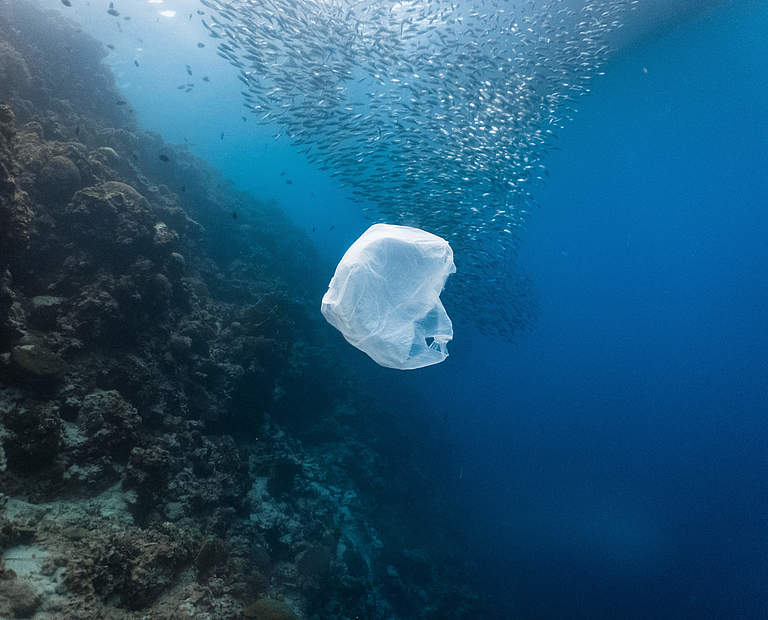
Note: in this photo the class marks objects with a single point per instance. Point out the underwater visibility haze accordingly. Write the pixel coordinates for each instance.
(580, 185)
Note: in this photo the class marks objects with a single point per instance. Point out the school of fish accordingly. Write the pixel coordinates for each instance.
(434, 114)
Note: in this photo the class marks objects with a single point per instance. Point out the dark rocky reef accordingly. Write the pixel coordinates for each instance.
(173, 440)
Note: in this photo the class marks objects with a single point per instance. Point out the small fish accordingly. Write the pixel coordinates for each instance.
(245, 120)
(136, 62)
(181, 87)
(282, 174)
(234, 215)
(163, 157)
(66, 2)
(189, 70)
(112, 11)
(471, 113)
(221, 137)
(120, 102)
(110, 46)
(135, 157)
(288, 182)
(206, 79)
(332, 227)
(201, 45)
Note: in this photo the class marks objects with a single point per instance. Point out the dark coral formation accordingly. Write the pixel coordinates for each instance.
(173, 440)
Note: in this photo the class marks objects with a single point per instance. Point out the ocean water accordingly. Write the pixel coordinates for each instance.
(610, 459)
(616, 452)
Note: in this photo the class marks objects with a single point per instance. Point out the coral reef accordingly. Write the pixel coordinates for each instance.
(173, 442)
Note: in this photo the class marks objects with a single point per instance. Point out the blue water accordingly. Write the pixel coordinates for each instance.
(613, 461)
(615, 458)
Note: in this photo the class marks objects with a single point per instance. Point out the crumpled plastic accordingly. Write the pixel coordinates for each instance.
(385, 296)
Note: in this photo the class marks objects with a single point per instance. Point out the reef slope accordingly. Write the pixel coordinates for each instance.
(174, 442)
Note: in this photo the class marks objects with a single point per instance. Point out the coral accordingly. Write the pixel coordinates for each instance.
(14, 533)
(17, 599)
(96, 314)
(283, 474)
(12, 319)
(112, 219)
(16, 214)
(59, 179)
(13, 67)
(147, 473)
(130, 566)
(213, 551)
(43, 312)
(34, 436)
(355, 563)
(7, 135)
(221, 476)
(166, 402)
(314, 563)
(36, 361)
(106, 156)
(110, 423)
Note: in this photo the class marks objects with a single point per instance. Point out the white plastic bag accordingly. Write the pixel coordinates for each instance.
(385, 296)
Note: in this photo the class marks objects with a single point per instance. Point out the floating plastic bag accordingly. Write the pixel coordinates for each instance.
(385, 296)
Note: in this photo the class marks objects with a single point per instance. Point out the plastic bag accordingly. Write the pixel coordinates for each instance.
(385, 296)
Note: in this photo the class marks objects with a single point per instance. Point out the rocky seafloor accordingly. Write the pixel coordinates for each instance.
(177, 439)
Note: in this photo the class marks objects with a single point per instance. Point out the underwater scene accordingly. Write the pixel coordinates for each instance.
(377, 309)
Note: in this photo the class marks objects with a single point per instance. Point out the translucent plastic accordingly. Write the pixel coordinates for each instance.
(385, 296)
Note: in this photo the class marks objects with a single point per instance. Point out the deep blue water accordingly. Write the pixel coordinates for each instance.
(615, 458)
(612, 462)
